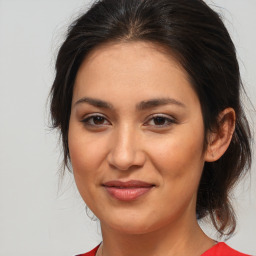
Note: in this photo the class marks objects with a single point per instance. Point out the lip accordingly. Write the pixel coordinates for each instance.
(127, 190)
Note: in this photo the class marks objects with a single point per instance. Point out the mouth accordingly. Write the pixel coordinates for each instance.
(128, 190)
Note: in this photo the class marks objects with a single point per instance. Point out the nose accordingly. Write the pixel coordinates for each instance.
(126, 150)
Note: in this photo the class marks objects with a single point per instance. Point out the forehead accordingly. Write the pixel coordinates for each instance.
(140, 53)
(139, 67)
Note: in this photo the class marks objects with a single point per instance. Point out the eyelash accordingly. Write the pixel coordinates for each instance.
(87, 120)
(167, 121)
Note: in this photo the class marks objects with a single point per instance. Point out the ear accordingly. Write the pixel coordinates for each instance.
(218, 141)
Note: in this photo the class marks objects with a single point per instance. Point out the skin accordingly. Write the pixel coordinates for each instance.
(128, 142)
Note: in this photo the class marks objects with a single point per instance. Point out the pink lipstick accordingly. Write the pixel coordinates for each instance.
(127, 191)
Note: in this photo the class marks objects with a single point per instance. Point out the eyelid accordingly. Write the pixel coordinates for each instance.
(171, 120)
(89, 116)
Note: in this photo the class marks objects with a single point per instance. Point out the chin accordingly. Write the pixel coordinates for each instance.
(134, 228)
(133, 225)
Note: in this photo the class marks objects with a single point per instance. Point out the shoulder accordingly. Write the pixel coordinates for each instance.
(222, 249)
(90, 253)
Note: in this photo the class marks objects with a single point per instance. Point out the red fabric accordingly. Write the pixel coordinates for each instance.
(90, 253)
(220, 249)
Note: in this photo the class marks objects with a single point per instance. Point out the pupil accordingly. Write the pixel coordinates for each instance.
(159, 120)
(98, 120)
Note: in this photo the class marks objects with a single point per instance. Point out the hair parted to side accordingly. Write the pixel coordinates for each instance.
(197, 37)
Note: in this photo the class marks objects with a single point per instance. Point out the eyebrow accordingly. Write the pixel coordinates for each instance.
(95, 102)
(158, 102)
(140, 106)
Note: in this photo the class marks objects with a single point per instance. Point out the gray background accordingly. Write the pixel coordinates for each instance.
(38, 215)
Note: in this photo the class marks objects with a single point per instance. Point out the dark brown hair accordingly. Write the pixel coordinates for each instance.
(198, 38)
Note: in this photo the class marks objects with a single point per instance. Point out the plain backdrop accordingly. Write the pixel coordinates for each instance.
(38, 216)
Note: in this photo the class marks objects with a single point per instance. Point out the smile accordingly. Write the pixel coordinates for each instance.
(127, 191)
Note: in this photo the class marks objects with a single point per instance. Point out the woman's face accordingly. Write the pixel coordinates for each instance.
(136, 138)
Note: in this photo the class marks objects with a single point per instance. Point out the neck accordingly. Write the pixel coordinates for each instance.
(171, 239)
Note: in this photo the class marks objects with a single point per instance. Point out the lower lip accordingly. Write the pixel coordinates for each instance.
(127, 194)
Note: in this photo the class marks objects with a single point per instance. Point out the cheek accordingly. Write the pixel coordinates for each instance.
(179, 156)
(180, 163)
(87, 155)
(86, 150)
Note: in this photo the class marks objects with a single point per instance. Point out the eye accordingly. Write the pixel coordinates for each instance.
(160, 121)
(95, 120)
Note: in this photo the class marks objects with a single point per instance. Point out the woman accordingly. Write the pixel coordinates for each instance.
(147, 99)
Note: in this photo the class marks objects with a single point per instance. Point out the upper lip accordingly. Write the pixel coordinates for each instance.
(127, 184)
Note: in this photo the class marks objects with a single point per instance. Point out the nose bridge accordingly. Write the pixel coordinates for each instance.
(125, 151)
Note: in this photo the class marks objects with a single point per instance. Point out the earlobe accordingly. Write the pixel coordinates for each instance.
(219, 140)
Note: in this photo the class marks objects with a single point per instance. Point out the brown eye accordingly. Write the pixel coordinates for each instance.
(98, 120)
(160, 121)
(95, 120)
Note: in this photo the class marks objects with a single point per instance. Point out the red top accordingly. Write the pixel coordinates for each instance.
(220, 249)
